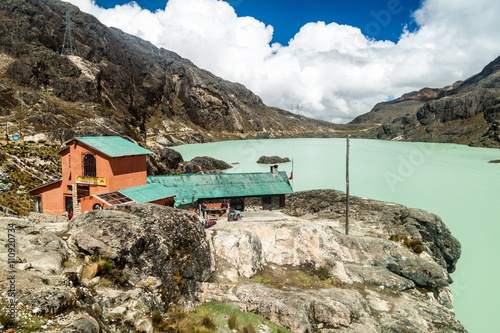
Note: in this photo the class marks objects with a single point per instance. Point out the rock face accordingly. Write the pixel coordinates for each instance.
(262, 267)
(150, 242)
(205, 164)
(38, 250)
(117, 83)
(383, 219)
(272, 160)
(376, 279)
(467, 112)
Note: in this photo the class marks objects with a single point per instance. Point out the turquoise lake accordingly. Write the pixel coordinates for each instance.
(453, 181)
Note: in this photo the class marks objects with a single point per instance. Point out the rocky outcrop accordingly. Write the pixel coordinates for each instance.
(205, 164)
(169, 259)
(383, 219)
(374, 285)
(149, 242)
(36, 249)
(272, 160)
(164, 162)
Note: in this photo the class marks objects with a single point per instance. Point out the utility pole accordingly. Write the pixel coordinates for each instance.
(347, 188)
(291, 178)
(68, 47)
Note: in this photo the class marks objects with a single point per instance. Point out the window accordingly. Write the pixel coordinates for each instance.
(89, 169)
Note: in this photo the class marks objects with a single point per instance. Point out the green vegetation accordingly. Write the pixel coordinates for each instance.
(104, 267)
(4, 319)
(414, 245)
(39, 156)
(305, 277)
(220, 317)
(323, 273)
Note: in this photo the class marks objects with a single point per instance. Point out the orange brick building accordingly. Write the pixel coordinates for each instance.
(98, 172)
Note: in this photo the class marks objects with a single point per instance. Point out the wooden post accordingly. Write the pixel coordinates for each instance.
(347, 188)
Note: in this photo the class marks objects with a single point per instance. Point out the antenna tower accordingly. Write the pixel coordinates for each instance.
(68, 47)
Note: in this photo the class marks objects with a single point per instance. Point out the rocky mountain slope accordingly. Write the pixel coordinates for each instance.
(118, 84)
(143, 267)
(467, 112)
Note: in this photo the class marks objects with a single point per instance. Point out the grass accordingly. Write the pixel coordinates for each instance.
(68, 263)
(414, 245)
(285, 277)
(222, 315)
(104, 267)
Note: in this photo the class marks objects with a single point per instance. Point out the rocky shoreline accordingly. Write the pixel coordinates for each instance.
(133, 267)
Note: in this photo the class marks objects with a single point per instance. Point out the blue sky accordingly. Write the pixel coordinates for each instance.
(377, 19)
(330, 60)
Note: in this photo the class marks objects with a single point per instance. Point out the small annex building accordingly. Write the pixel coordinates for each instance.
(98, 172)
(191, 190)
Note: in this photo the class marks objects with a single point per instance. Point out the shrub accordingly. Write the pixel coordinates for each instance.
(323, 273)
(156, 319)
(4, 319)
(249, 328)
(231, 321)
(106, 268)
(207, 322)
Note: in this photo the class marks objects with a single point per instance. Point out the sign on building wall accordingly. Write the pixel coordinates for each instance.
(99, 181)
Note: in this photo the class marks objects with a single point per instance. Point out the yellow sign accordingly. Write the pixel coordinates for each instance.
(99, 181)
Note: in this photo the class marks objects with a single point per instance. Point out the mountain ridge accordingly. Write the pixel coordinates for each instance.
(118, 84)
(467, 112)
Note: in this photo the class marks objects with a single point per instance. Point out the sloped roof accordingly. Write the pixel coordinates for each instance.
(147, 193)
(113, 146)
(224, 185)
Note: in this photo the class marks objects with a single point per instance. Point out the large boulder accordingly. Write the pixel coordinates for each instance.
(162, 245)
(205, 164)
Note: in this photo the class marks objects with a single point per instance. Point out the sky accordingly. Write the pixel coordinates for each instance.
(330, 60)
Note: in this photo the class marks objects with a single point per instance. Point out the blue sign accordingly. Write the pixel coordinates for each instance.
(15, 137)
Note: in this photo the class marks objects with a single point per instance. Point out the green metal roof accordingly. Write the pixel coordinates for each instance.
(147, 193)
(113, 146)
(224, 185)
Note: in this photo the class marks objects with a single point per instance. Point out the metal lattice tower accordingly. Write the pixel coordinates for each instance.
(68, 47)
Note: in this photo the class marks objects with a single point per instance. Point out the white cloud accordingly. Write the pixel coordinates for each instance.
(327, 71)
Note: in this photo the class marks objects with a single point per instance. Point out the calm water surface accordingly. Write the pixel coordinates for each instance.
(452, 181)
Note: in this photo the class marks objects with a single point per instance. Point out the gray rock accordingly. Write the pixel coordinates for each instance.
(82, 325)
(424, 273)
(205, 164)
(44, 251)
(382, 218)
(272, 160)
(5, 187)
(51, 302)
(150, 242)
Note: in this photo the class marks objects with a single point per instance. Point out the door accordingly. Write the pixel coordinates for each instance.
(68, 203)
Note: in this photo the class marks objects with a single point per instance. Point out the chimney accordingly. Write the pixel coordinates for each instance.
(274, 169)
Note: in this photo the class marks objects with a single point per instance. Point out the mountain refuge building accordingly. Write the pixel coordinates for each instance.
(98, 172)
